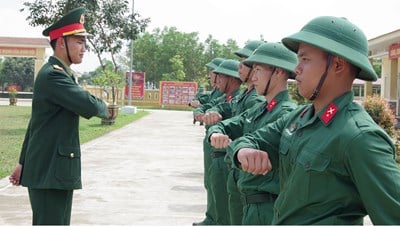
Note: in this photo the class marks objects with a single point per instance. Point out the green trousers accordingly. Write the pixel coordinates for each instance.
(234, 195)
(210, 209)
(258, 213)
(50, 206)
(218, 175)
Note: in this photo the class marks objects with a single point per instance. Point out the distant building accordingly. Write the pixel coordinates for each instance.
(387, 48)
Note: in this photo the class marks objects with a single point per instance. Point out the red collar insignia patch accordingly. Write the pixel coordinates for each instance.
(329, 113)
(229, 98)
(272, 104)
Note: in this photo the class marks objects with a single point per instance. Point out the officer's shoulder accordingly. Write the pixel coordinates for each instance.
(57, 67)
(55, 70)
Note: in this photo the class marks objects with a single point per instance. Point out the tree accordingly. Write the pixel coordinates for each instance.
(177, 73)
(109, 80)
(110, 22)
(377, 65)
(18, 71)
(156, 54)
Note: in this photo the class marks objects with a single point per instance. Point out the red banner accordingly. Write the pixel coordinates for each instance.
(177, 93)
(394, 51)
(137, 89)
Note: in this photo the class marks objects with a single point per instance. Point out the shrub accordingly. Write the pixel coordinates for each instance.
(378, 109)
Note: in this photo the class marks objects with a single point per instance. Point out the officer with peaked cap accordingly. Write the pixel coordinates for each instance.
(50, 159)
(273, 64)
(336, 164)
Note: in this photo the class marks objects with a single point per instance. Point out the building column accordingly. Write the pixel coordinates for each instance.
(39, 61)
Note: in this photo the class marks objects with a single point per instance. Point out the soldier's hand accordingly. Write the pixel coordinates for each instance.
(219, 140)
(195, 103)
(254, 161)
(199, 117)
(15, 177)
(211, 118)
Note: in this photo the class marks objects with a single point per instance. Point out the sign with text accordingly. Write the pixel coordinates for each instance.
(137, 89)
(17, 51)
(394, 51)
(177, 93)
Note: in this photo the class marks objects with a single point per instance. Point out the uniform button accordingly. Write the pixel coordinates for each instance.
(71, 155)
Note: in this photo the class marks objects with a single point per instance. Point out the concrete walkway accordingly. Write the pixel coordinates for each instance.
(148, 173)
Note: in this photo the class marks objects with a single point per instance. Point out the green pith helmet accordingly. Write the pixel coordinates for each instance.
(339, 37)
(276, 55)
(214, 63)
(229, 68)
(70, 24)
(249, 48)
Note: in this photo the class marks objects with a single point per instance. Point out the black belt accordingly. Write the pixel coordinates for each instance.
(258, 198)
(217, 154)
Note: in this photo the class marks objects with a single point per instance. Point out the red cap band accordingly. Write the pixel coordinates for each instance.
(67, 30)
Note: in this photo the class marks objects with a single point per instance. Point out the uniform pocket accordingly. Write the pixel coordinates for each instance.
(313, 161)
(315, 175)
(68, 166)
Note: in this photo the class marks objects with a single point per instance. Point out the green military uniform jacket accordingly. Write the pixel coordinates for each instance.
(213, 102)
(335, 166)
(247, 122)
(204, 98)
(240, 103)
(51, 155)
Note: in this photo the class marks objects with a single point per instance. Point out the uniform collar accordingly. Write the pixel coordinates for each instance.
(233, 94)
(281, 96)
(59, 62)
(327, 115)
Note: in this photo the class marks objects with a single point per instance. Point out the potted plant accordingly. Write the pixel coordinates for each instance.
(12, 95)
(111, 82)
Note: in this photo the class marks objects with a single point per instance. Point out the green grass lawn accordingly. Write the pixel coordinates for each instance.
(14, 121)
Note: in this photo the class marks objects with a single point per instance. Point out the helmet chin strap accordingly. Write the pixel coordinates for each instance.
(248, 75)
(322, 79)
(66, 46)
(269, 81)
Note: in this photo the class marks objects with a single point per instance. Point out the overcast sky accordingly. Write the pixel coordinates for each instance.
(236, 19)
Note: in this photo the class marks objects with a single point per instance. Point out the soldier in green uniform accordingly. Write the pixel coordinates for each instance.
(208, 96)
(228, 82)
(273, 64)
(336, 165)
(245, 100)
(50, 160)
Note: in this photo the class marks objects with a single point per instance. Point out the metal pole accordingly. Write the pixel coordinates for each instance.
(130, 71)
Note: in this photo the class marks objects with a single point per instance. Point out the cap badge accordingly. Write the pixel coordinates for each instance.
(82, 20)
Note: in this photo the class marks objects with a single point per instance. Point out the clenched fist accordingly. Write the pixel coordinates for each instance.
(219, 140)
(211, 118)
(254, 161)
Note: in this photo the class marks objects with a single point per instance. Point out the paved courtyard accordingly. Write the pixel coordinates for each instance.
(146, 173)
